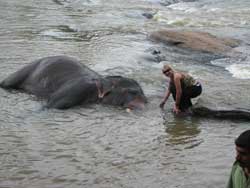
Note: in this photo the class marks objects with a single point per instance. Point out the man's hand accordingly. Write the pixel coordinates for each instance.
(162, 104)
(176, 109)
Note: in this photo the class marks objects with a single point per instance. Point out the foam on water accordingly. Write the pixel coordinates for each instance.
(53, 33)
(186, 7)
(204, 14)
(79, 2)
(241, 71)
(238, 69)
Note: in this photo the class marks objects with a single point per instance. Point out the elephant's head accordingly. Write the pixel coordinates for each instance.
(117, 90)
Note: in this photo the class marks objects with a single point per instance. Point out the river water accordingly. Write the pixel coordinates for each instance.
(103, 146)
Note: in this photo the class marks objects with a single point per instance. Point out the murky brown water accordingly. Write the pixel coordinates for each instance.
(103, 146)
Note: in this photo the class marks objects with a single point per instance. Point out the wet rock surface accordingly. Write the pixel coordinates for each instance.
(207, 109)
(197, 41)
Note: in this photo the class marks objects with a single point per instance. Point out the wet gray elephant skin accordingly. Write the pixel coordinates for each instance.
(65, 82)
(205, 109)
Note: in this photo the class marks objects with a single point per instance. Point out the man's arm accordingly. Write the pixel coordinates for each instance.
(177, 82)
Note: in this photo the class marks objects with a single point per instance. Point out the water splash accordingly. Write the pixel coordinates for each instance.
(241, 71)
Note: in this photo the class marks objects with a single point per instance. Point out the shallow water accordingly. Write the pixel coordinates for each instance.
(103, 146)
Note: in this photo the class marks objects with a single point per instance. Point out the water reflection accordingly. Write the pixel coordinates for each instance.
(183, 131)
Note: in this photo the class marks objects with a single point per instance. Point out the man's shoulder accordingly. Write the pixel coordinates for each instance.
(236, 165)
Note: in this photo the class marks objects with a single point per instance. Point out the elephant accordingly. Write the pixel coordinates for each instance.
(65, 82)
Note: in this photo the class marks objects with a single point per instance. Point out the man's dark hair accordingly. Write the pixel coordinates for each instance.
(243, 140)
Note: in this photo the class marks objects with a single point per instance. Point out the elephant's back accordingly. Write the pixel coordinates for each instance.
(60, 67)
(51, 73)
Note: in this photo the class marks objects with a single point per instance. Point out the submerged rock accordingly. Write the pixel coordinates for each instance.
(148, 15)
(197, 41)
(205, 109)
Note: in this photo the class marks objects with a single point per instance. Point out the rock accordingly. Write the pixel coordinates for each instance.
(206, 109)
(148, 15)
(197, 41)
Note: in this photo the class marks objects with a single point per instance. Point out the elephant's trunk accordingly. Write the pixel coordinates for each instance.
(136, 104)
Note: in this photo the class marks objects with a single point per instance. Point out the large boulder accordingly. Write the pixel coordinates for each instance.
(197, 41)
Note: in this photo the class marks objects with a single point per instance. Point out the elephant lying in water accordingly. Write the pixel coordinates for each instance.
(65, 82)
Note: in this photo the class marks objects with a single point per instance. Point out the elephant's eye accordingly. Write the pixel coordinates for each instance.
(131, 94)
(129, 98)
(107, 92)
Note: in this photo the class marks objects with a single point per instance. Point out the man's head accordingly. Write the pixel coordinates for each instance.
(243, 149)
(167, 70)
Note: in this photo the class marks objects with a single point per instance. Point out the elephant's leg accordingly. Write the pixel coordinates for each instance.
(73, 94)
(15, 80)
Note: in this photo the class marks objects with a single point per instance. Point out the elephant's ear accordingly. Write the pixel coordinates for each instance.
(99, 88)
(104, 87)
